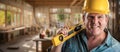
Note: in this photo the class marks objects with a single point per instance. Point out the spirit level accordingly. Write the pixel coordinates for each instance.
(61, 38)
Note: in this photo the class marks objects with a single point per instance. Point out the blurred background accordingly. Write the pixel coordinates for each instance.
(29, 25)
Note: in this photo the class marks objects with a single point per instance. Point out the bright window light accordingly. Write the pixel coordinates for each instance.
(54, 10)
(39, 15)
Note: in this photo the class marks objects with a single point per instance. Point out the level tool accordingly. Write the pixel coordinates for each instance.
(62, 38)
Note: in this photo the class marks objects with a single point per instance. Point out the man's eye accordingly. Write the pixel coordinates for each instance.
(100, 17)
(90, 17)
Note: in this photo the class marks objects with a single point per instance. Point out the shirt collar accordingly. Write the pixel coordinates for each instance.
(108, 39)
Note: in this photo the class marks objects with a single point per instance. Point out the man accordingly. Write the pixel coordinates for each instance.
(96, 37)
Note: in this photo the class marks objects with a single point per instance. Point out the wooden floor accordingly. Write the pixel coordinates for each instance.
(22, 44)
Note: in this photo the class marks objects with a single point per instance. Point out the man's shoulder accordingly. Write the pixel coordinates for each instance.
(115, 41)
(116, 47)
(115, 44)
(77, 37)
(112, 41)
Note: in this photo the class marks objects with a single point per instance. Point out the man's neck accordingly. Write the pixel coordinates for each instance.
(93, 37)
(94, 41)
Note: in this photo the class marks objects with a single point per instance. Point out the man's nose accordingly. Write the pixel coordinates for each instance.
(95, 20)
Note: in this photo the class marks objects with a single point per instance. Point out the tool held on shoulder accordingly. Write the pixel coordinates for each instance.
(61, 38)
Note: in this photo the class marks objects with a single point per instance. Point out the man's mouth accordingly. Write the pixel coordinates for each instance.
(95, 26)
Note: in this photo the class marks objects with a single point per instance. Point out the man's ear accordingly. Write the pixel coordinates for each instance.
(107, 19)
(83, 17)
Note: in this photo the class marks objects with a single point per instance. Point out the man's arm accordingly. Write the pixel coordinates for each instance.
(58, 48)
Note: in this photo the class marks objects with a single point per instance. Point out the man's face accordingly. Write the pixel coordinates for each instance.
(95, 23)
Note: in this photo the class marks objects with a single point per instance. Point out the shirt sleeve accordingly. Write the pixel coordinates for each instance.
(63, 47)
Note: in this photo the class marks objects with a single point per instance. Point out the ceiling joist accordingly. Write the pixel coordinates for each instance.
(54, 2)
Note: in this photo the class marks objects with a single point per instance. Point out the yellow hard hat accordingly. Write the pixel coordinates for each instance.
(96, 6)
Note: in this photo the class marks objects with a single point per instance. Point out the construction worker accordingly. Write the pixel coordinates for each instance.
(95, 37)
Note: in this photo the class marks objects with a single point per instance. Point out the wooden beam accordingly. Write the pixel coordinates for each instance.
(50, 3)
(74, 1)
(79, 2)
(48, 0)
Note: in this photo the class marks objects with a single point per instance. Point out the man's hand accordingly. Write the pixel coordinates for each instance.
(63, 31)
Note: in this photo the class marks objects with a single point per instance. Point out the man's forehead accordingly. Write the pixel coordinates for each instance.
(86, 14)
(94, 14)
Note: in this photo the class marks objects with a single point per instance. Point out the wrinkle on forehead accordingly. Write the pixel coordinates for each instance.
(85, 15)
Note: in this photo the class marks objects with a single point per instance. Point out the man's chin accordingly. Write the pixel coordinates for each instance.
(95, 33)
